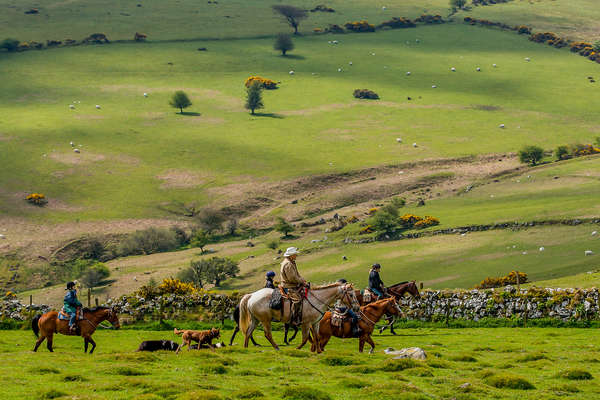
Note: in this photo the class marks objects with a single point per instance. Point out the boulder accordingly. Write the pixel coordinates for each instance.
(416, 353)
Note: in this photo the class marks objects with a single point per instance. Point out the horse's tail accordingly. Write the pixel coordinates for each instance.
(236, 315)
(245, 317)
(177, 332)
(34, 325)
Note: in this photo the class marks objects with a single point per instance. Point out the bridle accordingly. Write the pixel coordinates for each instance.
(345, 290)
(374, 323)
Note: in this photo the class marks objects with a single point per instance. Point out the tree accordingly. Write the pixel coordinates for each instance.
(95, 274)
(9, 44)
(254, 97)
(282, 226)
(200, 239)
(180, 100)
(384, 221)
(214, 270)
(283, 43)
(457, 4)
(531, 154)
(562, 153)
(210, 220)
(293, 15)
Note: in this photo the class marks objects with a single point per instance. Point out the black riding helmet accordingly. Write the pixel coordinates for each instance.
(70, 285)
(376, 266)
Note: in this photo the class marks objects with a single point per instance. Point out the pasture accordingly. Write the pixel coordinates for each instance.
(137, 154)
(462, 364)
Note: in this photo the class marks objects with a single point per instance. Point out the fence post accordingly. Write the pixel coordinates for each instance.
(421, 285)
(30, 306)
(89, 297)
(96, 302)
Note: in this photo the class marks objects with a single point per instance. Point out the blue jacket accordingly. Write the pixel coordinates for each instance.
(70, 302)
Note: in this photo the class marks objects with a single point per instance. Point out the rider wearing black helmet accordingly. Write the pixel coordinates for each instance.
(269, 283)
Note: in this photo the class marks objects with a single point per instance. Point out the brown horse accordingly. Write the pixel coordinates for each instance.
(369, 315)
(48, 324)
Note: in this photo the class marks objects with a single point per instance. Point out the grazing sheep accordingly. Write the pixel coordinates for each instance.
(350, 63)
(414, 145)
(478, 69)
(372, 54)
(97, 106)
(72, 144)
(145, 94)
(399, 140)
(291, 72)
(594, 233)
(408, 73)
(339, 70)
(453, 69)
(2, 236)
(335, 42)
(589, 252)
(527, 59)
(433, 86)
(502, 126)
(524, 253)
(384, 8)
(71, 106)
(494, 65)
(542, 248)
(76, 151)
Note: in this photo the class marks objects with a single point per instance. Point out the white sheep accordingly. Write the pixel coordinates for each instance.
(542, 248)
(594, 233)
(453, 69)
(335, 42)
(2, 236)
(291, 72)
(339, 70)
(399, 140)
(414, 145)
(72, 144)
(71, 106)
(384, 8)
(502, 126)
(524, 253)
(350, 63)
(372, 54)
(527, 59)
(433, 86)
(145, 94)
(478, 69)
(97, 106)
(76, 151)
(408, 73)
(494, 65)
(588, 252)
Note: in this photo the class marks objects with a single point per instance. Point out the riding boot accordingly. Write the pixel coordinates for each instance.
(297, 314)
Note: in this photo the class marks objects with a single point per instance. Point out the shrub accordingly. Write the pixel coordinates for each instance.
(397, 23)
(523, 30)
(510, 279)
(509, 382)
(293, 15)
(531, 154)
(384, 222)
(180, 100)
(533, 357)
(213, 270)
(335, 361)
(430, 19)
(128, 371)
(97, 38)
(200, 239)
(273, 244)
(578, 150)
(9, 44)
(562, 153)
(365, 230)
(365, 94)
(52, 394)
(575, 375)
(322, 8)
(409, 220)
(304, 393)
(283, 43)
(148, 241)
(427, 222)
(282, 226)
(94, 275)
(334, 28)
(200, 395)
(139, 37)
(254, 97)
(210, 220)
(463, 358)
(175, 286)
(37, 199)
(264, 82)
(360, 26)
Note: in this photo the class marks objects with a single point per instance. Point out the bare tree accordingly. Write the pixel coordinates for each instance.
(293, 15)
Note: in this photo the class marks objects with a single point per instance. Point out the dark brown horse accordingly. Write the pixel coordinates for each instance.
(397, 291)
(48, 324)
(369, 315)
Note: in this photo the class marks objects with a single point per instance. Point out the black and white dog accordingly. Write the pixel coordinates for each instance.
(154, 345)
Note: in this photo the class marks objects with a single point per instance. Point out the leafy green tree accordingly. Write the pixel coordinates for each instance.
(200, 239)
(213, 270)
(282, 226)
(457, 4)
(9, 44)
(180, 100)
(562, 153)
(384, 222)
(94, 275)
(254, 97)
(531, 155)
(210, 220)
(273, 244)
(293, 15)
(283, 43)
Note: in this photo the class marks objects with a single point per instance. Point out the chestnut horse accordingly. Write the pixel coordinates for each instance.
(398, 290)
(48, 324)
(369, 315)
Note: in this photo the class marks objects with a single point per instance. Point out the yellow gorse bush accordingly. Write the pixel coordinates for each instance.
(175, 286)
(266, 83)
(427, 222)
(36, 198)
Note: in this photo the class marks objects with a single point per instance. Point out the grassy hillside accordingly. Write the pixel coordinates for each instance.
(137, 153)
(455, 357)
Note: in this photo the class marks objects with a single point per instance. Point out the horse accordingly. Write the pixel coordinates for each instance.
(236, 319)
(255, 308)
(48, 324)
(370, 314)
(398, 291)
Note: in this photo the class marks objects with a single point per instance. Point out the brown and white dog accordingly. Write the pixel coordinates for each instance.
(202, 337)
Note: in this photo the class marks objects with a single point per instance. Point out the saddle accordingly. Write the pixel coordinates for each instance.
(276, 302)
(337, 318)
(368, 296)
(62, 315)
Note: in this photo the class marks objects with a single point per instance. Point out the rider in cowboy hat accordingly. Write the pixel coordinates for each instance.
(375, 282)
(71, 303)
(342, 309)
(293, 284)
(269, 284)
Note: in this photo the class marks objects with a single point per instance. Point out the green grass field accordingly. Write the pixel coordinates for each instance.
(139, 150)
(455, 357)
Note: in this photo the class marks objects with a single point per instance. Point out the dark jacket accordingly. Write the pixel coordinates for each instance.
(375, 281)
(70, 301)
(269, 284)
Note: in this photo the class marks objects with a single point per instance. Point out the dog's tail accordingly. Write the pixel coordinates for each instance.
(245, 317)
(177, 332)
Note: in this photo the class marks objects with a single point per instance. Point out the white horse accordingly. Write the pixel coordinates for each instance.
(255, 308)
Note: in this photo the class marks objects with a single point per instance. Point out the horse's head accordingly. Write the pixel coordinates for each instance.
(413, 290)
(113, 318)
(392, 307)
(348, 296)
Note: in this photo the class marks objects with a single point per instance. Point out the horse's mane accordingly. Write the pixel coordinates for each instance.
(85, 309)
(401, 283)
(326, 285)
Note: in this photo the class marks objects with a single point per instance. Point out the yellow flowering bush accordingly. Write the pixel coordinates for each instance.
(510, 279)
(409, 220)
(579, 150)
(427, 222)
(360, 26)
(366, 229)
(175, 286)
(266, 83)
(10, 295)
(372, 211)
(37, 199)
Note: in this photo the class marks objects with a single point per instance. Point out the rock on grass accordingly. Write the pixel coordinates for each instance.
(509, 382)
(576, 374)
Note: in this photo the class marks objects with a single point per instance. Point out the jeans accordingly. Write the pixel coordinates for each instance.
(377, 292)
(72, 320)
(353, 315)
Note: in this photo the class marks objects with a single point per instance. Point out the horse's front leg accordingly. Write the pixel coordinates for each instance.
(93, 344)
(316, 341)
(305, 331)
(85, 346)
(371, 343)
(269, 335)
(286, 328)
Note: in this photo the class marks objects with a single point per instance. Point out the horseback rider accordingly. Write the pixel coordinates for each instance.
(71, 304)
(375, 282)
(269, 283)
(342, 309)
(293, 284)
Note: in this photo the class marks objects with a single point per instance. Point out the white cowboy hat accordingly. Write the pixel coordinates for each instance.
(290, 251)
